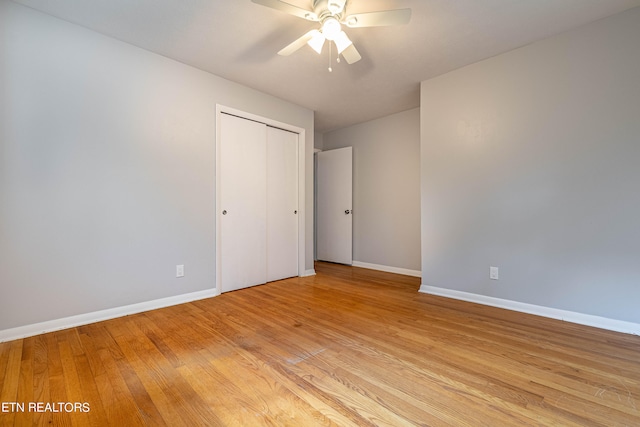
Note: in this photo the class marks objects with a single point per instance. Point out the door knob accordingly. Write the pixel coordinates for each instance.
(295, 212)
(347, 212)
(224, 212)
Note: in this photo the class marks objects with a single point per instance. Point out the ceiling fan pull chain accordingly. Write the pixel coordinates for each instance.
(330, 69)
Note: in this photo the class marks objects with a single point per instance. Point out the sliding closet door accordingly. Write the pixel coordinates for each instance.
(282, 204)
(243, 204)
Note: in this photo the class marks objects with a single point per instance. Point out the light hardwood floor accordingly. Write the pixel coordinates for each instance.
(347, 347)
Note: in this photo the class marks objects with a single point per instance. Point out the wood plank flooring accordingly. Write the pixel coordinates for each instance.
(347, 347)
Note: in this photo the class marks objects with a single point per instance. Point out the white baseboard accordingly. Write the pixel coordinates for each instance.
(397, 270)
(553, 313)
(98, 316)
(310, 272)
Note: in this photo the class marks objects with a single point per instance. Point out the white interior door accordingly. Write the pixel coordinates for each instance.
(334, 191)
(243, 203)
(282, 204)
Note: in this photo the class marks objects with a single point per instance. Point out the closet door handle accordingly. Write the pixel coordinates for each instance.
(347, 212)
(295, 212)
(224, 212)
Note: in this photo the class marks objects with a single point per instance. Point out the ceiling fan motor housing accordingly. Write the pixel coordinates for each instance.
(329, 8)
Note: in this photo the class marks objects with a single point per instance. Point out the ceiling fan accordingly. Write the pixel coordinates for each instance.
(332, 15)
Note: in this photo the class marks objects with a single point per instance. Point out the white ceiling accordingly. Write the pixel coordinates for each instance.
(238, 40)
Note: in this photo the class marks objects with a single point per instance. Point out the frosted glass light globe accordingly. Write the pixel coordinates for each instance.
(331, 28)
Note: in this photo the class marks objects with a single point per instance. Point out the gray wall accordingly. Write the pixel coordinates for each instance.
(386, 188)
(107, 170)
(531, 162)
(318, 141)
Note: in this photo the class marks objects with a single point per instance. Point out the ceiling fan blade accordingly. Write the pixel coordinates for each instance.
(297, 44)
(378, 19)
(351, 54)
(288, 8)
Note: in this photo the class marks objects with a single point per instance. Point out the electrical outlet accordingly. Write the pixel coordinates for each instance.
(180, 270)
(493, 273)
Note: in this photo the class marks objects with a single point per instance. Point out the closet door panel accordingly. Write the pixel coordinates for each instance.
(282, 204)
(243, 203)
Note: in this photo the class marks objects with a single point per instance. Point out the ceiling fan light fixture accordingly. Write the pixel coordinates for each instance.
(331, 28)
(342, 42)
(331, 15)
(317, 41)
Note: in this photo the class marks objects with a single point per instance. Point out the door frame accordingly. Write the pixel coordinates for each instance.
(222, 109)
